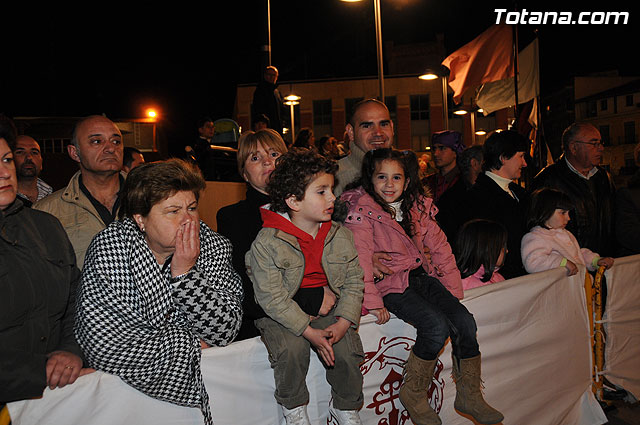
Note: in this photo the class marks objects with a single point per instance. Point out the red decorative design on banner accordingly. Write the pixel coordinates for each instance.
(392, 354)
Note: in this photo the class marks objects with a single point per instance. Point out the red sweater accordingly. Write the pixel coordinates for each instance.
(314, 276)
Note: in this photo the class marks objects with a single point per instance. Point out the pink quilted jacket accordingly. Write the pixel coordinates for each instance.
(375, 231)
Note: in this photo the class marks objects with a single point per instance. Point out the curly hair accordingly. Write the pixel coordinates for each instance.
(153, 182)
(294, 172)
(414, 190)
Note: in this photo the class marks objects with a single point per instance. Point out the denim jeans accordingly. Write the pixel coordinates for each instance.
(436, 315)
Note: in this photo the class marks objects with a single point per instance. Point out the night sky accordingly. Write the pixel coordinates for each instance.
(186, 60)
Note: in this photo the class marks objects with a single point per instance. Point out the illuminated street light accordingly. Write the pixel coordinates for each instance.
(291, 101)
(430, 74)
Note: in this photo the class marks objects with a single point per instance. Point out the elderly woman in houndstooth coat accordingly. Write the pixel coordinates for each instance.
(157, 287)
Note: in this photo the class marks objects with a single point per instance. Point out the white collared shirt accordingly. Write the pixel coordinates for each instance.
(589, 174)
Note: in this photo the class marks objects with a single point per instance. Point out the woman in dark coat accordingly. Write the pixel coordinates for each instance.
(38, 280)
(241, 222)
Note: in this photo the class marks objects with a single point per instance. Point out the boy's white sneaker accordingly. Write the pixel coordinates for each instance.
(345, 417)
(297, 415)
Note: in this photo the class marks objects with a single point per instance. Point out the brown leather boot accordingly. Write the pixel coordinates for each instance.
(469, 398)
(418, 375)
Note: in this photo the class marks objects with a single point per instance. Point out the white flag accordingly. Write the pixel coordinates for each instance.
(500, 94)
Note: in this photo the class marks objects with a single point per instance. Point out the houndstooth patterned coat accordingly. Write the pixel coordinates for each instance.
(135, 321)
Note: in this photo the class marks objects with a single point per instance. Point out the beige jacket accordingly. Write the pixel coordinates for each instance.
(79, 218)
(275, 265)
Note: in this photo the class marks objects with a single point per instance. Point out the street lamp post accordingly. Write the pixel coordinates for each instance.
(378, 19)
(429, 74)
(378, 25)
(292, 100)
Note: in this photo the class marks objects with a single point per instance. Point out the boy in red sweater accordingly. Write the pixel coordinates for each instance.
(300, 248)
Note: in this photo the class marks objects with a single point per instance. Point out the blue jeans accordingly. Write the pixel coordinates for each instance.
(436, 315)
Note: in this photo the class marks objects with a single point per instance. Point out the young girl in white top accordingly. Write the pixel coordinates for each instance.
(548, 244)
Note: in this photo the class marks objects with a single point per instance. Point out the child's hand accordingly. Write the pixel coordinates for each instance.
(319, 338)
(382, 314)
(607, 262)
(379, 269)
(571, 268)
(328, 301)
(338, 330)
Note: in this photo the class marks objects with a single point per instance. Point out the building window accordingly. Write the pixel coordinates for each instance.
(629, 162)
(604, 135)
(348, 107)
(629, 100)
(392, 105)
(603, 105)
(592, 108)
(322, 112)
(630, 132)
(419, 107)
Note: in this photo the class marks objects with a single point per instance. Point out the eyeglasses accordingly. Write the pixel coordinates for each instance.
(592, 144)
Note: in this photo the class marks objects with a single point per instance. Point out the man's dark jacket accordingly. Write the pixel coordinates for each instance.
(593, 204)
(268, 100)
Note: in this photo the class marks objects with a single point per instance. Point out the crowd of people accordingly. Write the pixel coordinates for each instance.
(116, 272)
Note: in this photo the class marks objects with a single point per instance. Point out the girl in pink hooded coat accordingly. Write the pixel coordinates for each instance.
(549, 245)
(390, 213)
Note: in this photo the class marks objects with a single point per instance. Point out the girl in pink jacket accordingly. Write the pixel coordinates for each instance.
(549, 245)
(390, 213)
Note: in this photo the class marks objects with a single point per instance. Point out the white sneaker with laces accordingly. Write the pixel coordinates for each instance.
(297, 415)
(345, 417)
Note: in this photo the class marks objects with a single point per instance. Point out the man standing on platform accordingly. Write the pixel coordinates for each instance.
(267, 99)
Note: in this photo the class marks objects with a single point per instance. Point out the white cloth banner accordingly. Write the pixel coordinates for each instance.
(533, 335)
(622, 324)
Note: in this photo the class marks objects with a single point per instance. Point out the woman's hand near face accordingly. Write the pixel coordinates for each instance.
(187, 248)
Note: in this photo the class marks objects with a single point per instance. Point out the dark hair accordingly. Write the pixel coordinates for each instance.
(479, 243)
(127, 155)
(504, 144)
(8, 131)
(153, 182)
(544, 202)
(302, 140)
(414, 189)
(465, 157)
(293, 173)
(261, 118)
(202, 121)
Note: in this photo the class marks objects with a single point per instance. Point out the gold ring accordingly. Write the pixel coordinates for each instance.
(68, 367)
